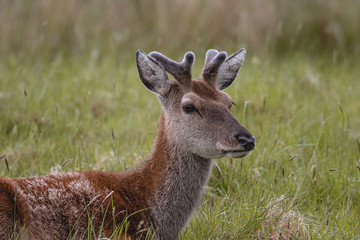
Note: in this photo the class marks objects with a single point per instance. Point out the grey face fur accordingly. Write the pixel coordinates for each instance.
(209, 130)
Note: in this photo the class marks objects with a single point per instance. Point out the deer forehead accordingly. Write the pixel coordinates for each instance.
(203, 93)
(204, 90)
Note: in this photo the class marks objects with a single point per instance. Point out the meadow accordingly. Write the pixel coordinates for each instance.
(71, 99)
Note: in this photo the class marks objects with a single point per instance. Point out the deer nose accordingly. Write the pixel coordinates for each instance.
(247, 143)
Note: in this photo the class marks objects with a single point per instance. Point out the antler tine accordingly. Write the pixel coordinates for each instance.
(221, 71)
(213, 61)
(181, 71)
(210, 54)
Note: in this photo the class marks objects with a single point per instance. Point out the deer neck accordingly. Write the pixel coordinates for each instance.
(179, 186)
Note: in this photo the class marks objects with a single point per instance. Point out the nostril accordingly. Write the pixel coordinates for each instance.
(242, 140)
(247, 143)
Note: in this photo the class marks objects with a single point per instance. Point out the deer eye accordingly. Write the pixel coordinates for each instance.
(189, 108)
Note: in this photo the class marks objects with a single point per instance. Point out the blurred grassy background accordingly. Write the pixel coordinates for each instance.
(70, 99)
(275, 26)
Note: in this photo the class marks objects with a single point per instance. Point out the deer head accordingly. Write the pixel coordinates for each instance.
(196, 112)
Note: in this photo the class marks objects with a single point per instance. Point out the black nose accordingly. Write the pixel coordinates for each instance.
(247, 143)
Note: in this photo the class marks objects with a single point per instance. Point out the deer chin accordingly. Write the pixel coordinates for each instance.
(236, 153)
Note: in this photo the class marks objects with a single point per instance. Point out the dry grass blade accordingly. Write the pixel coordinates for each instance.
(6, 162)
(293, 157)
(282, 222)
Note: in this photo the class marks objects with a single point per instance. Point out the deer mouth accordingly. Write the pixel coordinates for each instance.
(236, 153)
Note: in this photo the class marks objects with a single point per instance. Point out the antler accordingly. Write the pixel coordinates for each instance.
(181, 71)
(220, 71)
(213, 61)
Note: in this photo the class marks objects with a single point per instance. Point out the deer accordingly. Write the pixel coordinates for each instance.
(158, 198)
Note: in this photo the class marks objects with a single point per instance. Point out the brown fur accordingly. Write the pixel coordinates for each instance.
(131, 192)
(204, 90)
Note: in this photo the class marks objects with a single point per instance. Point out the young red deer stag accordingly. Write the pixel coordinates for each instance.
(195, 127)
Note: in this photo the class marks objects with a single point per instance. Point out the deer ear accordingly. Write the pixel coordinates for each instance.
(229, 69)
(152, 74)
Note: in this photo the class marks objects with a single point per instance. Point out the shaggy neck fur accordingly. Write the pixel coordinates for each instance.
(180, 189)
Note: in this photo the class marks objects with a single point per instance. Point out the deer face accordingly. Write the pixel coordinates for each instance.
(197, 112)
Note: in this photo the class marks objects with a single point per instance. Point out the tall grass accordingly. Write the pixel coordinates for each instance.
(70, 99)
(30, 27)
(69, 114)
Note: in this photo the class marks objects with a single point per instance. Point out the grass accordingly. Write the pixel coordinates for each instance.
(38, 27)
(87, 112)
(70, 99)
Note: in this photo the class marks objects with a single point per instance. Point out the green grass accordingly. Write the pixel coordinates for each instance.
(83, 112)
(70, 99)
